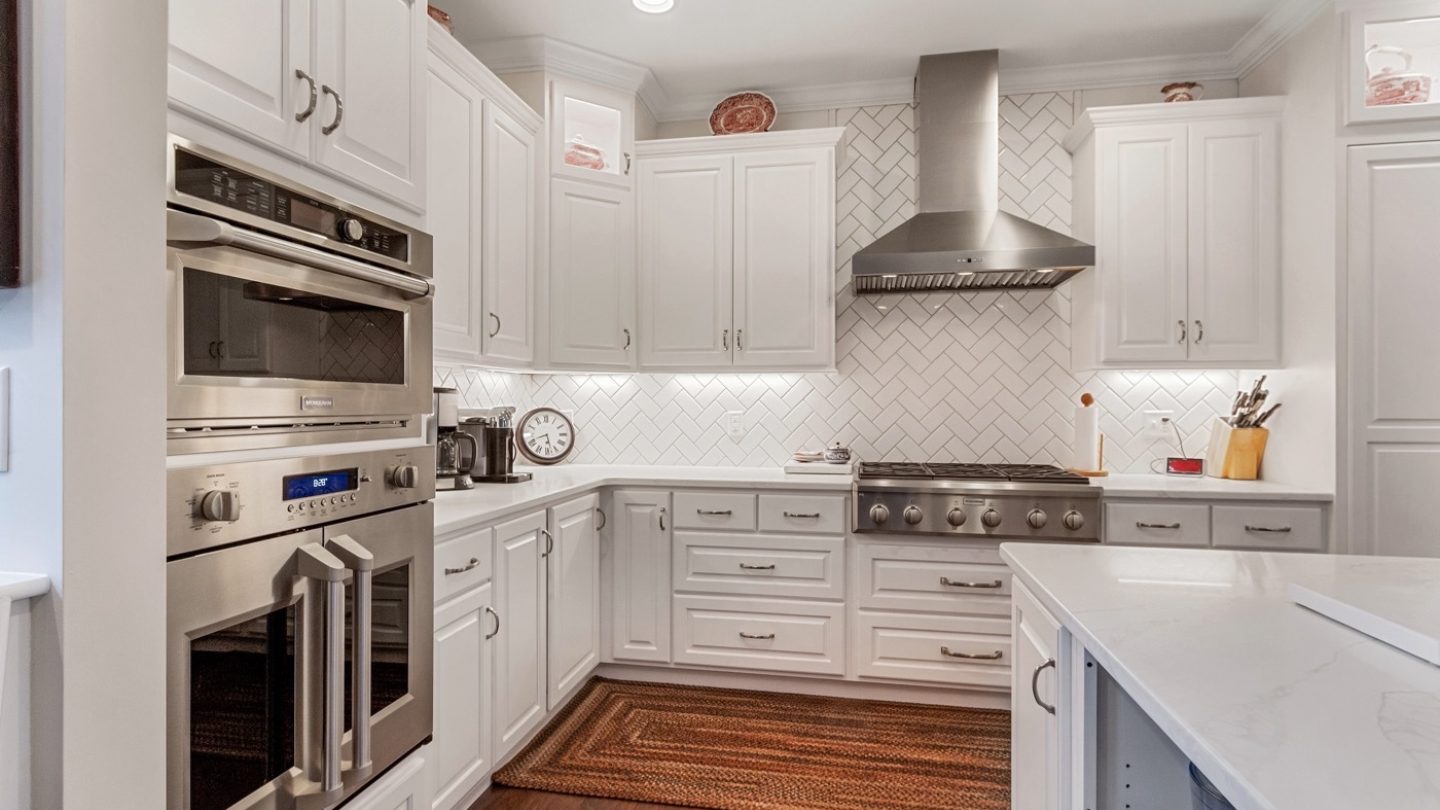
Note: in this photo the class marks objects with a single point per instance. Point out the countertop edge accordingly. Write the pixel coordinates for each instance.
(17, 585)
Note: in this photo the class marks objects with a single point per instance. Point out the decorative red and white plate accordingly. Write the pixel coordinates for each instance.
(751, 111)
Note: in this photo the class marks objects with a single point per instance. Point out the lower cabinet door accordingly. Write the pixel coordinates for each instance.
(572, 557)
(1034, 692)
(460, 755)
(640, 578)
(520, 641)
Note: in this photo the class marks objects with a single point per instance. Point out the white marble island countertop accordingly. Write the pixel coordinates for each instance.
(1282, 708)
(1183, 487)
(487, 502)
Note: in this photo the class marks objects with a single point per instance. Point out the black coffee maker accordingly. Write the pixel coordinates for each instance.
(494, 432)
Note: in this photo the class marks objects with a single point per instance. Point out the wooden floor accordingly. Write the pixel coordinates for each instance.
(506, 798)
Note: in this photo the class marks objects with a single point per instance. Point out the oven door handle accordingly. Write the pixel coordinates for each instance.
(182, 226)
(317, 563)
(359, 559)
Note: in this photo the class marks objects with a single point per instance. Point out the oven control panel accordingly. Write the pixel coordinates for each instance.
(222, 504)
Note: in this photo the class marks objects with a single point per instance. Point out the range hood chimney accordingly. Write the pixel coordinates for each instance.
(960, 240)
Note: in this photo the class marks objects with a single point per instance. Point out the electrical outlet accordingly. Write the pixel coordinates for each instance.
(735, 424)
(1156, 426)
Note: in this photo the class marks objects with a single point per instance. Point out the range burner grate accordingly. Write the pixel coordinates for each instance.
(1039, 473)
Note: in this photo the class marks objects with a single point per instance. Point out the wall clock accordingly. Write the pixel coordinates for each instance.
(546, 436)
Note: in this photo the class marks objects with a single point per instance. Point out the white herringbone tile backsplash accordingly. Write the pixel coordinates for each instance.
(944, 377)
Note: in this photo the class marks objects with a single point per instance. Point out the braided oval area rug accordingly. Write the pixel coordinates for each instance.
(730, 749)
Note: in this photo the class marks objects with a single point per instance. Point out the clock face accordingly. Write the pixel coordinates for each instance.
(546, 436)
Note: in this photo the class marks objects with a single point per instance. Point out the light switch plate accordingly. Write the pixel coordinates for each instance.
(4, 420)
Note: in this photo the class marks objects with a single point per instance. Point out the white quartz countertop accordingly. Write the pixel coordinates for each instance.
(1142, 485)
(22, 586)
(1282, 708)
(488, 502)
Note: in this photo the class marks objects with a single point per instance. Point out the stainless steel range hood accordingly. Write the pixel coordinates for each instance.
(960, 240)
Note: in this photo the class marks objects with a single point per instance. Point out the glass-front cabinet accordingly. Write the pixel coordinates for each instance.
(1392, 62)
(592, 134)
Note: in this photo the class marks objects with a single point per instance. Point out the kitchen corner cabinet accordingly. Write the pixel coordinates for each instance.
(640, 592)
(592, 133)
(338, 85)
(572, 557)
(1182, 203)
(592, 275)
(736, 252)
(1036, 775)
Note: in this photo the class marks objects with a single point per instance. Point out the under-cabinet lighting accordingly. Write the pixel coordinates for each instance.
(654, 6)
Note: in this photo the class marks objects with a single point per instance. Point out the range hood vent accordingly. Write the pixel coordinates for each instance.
(960, 240)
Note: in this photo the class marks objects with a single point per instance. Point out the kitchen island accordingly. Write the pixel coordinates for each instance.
(1169, 655)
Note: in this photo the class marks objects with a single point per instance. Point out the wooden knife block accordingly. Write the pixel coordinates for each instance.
(1236, 452)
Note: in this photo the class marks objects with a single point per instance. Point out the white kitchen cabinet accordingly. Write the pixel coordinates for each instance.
(592, 133)
(520, 605)
(453, 208)
(573, 558)
(460, 754)
(640, 576)
(1182, 203)
(592, 275)
(509, 200)
(1035, 749)
(406, 786)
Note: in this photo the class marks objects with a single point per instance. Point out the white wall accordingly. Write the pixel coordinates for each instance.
(1303, 435)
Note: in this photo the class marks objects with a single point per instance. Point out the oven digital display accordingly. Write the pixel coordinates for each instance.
(322, 483)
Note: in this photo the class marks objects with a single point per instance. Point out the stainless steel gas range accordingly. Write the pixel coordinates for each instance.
(1004, 501)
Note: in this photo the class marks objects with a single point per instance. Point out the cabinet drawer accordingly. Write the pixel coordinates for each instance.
(760, 564)
(462, 563)
(731, 511)
(822, 514)
(1158, 524)
(1287, 528)
(932, 578)
(954, 650)
(782, 636)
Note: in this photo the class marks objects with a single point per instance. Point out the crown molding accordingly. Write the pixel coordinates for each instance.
(828, 137)
(521, 54)
(1218, 109)
(1274, 29)
(1114, 73)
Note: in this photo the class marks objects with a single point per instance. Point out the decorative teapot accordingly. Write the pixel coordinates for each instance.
(1389, 79)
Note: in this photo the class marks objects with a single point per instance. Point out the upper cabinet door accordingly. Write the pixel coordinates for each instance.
(508, 239)
(686, 243)
(784, 259)
(592, 133)
(370, 122)
(453, 210)
(1234, 213)
(234, 65)
(592, 275)
(1141, 234)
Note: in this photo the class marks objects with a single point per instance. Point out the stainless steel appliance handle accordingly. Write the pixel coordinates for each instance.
(991, 656)
(749, 567)
(339, 110)
(549, 543)
(182, 226)
(469, 566)
(496, 631)
(758, 636)
(1142, 525)
(716, 512)
(359, 559)
(954, 583)
(305, 114)
(1035, 685)
(317, 563)
(1271, 529)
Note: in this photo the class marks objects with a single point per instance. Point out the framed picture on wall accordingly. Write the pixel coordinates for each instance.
(9, 144)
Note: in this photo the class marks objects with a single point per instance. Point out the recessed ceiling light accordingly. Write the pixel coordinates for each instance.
(654, 6)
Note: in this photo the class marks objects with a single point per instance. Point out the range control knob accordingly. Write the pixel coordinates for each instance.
(350, 229)
(913, 515)
(956, 517)
(879, 513)
(1037, 518)
(219, 504)
(991, 518)
(406, 476)
(1074, 521)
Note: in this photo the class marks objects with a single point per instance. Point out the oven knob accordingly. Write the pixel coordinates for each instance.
(913, 515)
(406, 476)
(956, 517)
(1074, 521)
(991, 518)
(218, 504)
(879, 513)
(1037, 518)
(350, 229)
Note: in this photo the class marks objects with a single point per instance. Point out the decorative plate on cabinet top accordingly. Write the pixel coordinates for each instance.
(751, 111)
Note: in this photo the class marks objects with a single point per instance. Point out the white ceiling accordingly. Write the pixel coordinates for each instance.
(713, 47)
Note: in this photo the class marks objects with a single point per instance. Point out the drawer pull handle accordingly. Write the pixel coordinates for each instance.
(469, 566)
(714, 512)
(803, 515)
(953, 583)
(1274, 530)
(749, 567)
(758, 636)
(991, 656)
(1141, 525)
(1035, 685)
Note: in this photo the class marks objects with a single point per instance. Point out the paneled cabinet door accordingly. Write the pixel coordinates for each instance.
(1141, 243)
(687, 222)
(234, 65)
(371, 56)
(508, 211)
(1034, 728)
(640, 624)
(573, 560)
(592, 275)
(460, 754)
(592, 133)
(1234, 211)
(520, 642)
(784, 259)
(453, 210)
